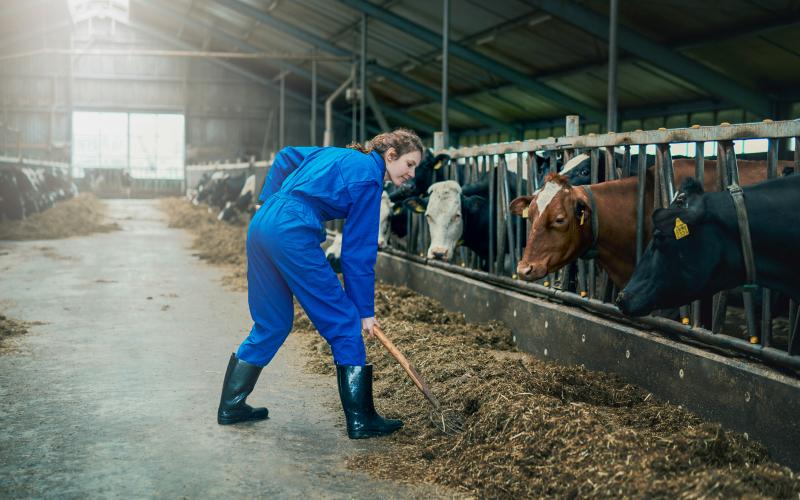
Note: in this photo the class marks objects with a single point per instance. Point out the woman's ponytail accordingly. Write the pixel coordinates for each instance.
(402, 140)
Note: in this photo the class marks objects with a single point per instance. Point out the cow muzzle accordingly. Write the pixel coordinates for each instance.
(439, 253)
(530, 272)
(628, 306)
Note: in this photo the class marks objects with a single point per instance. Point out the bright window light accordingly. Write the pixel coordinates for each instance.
(100, 140)
(755, 146)
(149, 145)
(156, 144)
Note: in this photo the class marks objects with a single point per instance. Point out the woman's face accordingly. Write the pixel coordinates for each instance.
(401, 168)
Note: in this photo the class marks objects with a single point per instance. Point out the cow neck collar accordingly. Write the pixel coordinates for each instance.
(744, 232)
(592, 252)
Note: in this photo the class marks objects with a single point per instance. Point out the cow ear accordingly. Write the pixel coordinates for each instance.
(416, 204)
(581, 210)
(520, 205)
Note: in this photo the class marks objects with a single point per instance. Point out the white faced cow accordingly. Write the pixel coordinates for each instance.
(443, 215)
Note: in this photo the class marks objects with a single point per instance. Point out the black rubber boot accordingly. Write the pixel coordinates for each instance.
(355, 390)
(240, 378)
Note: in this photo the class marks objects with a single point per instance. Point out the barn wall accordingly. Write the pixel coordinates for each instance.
(227, 114)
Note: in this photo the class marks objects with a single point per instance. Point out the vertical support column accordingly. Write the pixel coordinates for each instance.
(445, 62)
(362, 95)
(641, 193)
(282, 112)
(613, 15)
(700, 175)
(313, 136)
(766, 294)
(572, 129)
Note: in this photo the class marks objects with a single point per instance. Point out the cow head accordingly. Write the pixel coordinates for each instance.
(578, 170)
(426, 173)
(560, 227)
(443, 214)
(678, 263)
(385, 220)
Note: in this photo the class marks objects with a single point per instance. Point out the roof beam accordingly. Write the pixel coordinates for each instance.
(433, 95)
(323, 44)
(658, 55)
(527, 82)
(249, 47)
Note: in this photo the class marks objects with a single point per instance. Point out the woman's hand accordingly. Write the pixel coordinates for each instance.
(368, 323)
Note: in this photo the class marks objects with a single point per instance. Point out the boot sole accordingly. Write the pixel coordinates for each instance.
(236, 420)
(370, 434)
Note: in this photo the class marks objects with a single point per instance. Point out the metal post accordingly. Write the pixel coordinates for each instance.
(492, 202)
(641, 192)
(314, 102)
(766, 294)
(700, 175)
(445, 54)
(362, 97)
(592, 280)
(611, 122)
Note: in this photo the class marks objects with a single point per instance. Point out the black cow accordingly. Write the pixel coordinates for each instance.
(427, 172)
(695, 250)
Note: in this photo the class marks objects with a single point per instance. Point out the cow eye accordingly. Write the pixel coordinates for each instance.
(560, 220)
(456, 216)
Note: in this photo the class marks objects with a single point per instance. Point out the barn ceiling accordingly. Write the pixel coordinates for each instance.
(513, 63)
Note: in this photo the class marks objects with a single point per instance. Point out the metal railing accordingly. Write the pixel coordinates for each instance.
(585, 284)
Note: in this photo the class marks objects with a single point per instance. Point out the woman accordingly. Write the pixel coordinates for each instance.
(306, 187)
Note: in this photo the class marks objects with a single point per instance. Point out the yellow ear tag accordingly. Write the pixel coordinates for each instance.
(681, 229)
(437, 166)
(525, 213)
(397, 210)
(583, 216)
(419, 209)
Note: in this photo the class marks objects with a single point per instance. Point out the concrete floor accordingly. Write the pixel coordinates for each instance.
(115, 393)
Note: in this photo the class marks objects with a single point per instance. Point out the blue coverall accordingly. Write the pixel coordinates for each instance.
(307, 186)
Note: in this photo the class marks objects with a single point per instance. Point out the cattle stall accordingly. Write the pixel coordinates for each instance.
(744, 377)
(28, 186)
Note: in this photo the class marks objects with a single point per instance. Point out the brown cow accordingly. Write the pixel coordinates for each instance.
(561, 230)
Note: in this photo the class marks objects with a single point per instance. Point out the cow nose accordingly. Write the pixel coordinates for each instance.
(380, 245)
(439, 253)
(524, 270)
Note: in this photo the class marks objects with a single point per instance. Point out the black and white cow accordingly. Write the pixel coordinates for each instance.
(695, 249)
(27, 190)
(244, 204)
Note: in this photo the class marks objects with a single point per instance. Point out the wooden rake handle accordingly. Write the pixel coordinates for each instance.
(420, 382)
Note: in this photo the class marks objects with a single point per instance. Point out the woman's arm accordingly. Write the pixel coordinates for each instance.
(286, 161)
(360, 246)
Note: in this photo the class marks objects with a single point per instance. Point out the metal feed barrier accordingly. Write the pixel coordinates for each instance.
(594, 291)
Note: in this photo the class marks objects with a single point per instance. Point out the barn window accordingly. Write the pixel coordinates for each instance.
(147, 145)
(156, 146)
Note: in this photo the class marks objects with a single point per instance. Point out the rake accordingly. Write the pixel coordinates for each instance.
(443, 419)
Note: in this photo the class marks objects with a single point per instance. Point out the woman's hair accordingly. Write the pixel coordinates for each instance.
(402, 140)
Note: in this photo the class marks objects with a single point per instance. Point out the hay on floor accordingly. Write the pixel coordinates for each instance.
(531, 428)
(79, 216)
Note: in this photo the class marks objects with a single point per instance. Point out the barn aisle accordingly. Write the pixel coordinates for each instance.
(115, 392)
